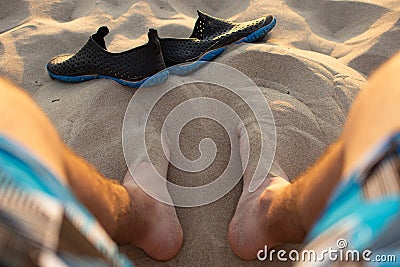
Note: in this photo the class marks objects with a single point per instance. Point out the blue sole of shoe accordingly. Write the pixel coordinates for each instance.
(179, 70)
(258, 34)
(156, 79)
(185, 69)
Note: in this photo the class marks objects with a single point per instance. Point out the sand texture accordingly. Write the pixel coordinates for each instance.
(309, 68)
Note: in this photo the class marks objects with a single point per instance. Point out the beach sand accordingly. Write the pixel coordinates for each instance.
(310, 67)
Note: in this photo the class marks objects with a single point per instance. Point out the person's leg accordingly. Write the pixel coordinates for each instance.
(132, 217)
(25, 123)
(272, 215)
(281, 212)
(127, 213)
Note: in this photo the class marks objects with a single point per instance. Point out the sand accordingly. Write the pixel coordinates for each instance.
(309, 68)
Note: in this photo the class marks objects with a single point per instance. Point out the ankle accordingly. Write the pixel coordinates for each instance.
(283, 220)
(122, 216)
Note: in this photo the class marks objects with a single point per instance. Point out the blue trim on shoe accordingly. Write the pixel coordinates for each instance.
(156, 79)
(185, 69)
(259, 33)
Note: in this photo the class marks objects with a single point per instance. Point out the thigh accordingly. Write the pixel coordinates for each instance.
(24, 122)
(375, 113)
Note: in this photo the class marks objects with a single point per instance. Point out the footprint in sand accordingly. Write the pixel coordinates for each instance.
(64, 11)
(12, 14)
(382, 49)
(337, 20)
(221, 8)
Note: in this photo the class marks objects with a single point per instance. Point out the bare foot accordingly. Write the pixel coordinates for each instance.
(155, 226)
(150, 224)
(250, 230)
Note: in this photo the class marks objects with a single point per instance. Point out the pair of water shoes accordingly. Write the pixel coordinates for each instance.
(134, 67)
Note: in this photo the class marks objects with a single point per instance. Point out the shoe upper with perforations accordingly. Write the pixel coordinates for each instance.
(209, 33)
(94, 59)
(209, 27)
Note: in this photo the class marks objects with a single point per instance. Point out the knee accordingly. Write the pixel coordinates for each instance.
(23, 121)
(374, 113)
